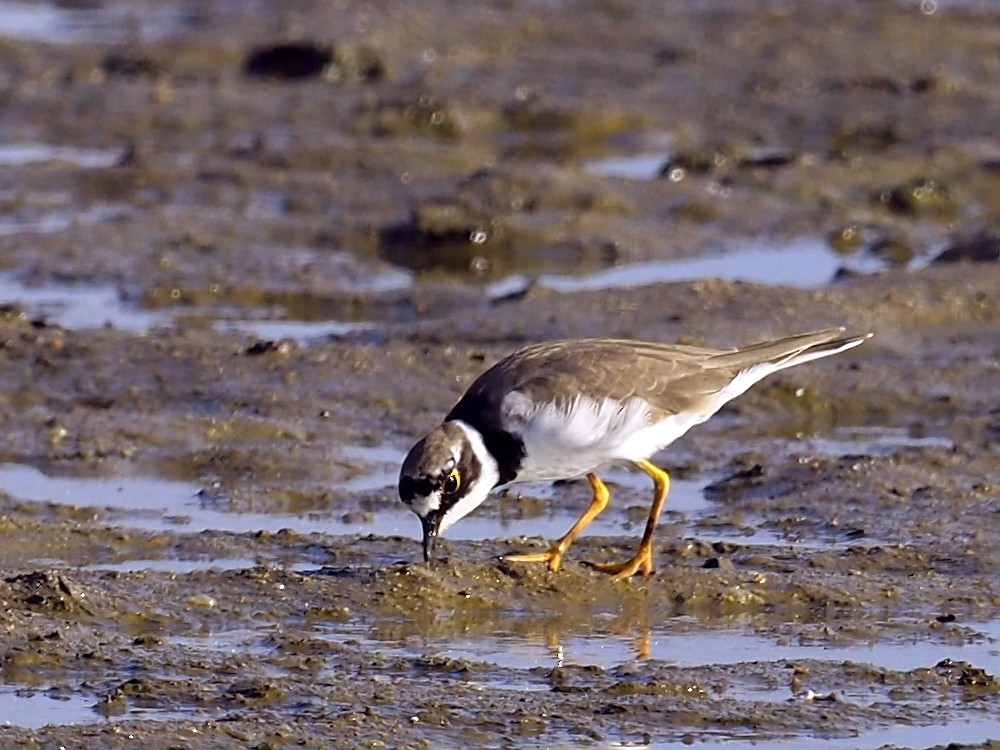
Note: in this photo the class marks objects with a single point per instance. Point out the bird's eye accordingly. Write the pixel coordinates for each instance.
(452, 482)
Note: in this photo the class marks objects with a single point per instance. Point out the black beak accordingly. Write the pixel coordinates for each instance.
(430, 524)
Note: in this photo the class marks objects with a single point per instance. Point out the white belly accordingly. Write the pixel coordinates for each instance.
(561, 443)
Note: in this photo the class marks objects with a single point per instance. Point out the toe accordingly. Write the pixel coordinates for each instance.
(641, 563)
(552, 557)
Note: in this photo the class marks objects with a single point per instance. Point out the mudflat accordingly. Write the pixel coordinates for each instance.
(250, 252)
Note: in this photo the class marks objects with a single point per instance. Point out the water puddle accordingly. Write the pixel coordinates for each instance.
(232, 642)
(755, 528)
(177, 566)
(162, 504)
(683, 648)
(123, 492)
(650, 165)
(517, 662)
(709, 530)
(958, 733)
(77, 306)
(534, 510)
(20, 154)
(301, 332)
(377, 454)
(512, 661)
(87, 306)
(55, 23)
(645, 166)
(29, 709)
(157, 504)
(60, 221)
(152, 504)
(307, 321)
(686, 497)
(807, 263)
(873, 441)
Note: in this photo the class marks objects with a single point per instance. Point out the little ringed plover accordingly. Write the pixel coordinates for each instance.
(565, 409)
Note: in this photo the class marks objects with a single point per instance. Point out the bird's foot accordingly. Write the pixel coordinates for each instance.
(641, 563)
(553, 557)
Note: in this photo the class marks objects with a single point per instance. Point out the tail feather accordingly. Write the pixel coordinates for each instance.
(756, 362)
(786, 352)
(819, 351)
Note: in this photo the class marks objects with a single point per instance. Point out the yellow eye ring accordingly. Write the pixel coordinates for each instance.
(452, 482)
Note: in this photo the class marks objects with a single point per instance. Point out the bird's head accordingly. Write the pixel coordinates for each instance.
(446, 476)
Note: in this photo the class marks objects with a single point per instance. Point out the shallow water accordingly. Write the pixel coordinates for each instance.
(78, 306)
(20, 707)
(303, 332)
(156, 504)
(645, 166)
(169, 565)
(509, 656)
(23, 708)
(518, 662)
(970, 731)
(258, 184)
(689, 648)
(240, 641)
(19, 154)
(805, 263)
(55, 24)
(872, 441)
(54, 222)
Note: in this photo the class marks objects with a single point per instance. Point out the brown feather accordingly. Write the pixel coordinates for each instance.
(671, 378)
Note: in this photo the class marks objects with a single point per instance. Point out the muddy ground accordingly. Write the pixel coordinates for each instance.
(213, 176)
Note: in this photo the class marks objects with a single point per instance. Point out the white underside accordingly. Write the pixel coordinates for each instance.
(569, 441)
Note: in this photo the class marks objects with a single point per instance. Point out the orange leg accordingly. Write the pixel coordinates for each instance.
(643, 560)
(555, 553)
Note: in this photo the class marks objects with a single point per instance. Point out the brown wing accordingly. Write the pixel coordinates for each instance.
(670, 377)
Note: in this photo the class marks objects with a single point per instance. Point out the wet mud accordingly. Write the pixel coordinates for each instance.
(249, 254)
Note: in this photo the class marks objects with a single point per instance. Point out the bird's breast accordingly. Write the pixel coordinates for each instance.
(570, 438)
